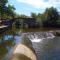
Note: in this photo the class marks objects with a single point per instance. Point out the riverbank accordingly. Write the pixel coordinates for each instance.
(40, 29)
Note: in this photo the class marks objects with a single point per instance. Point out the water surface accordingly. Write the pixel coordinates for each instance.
(46, 45)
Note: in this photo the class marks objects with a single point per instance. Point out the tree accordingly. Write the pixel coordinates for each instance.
(51, 16)
(58, 22)
(39, 20)
(3, 2)
(10, 10)
(34, 15)
(2, 5)
(6, 10)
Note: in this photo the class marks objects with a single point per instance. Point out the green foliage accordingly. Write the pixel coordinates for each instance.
(58, 23)
(10, 10)
(51, 14)
(6, 10)
(3, 2)
(2, 6)
(17, 24)
(39, 20)
(50, 17)
(34, 15)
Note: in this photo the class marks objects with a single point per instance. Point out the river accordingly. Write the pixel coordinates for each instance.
(46, 45)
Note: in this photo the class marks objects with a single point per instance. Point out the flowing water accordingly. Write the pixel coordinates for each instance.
(46, 45)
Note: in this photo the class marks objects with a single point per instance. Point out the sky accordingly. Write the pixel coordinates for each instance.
(26, 7)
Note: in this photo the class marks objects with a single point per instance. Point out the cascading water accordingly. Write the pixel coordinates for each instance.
(38, 36)
(39, 41)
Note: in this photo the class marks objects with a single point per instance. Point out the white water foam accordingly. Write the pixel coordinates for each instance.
(39, 36)
(35, 38)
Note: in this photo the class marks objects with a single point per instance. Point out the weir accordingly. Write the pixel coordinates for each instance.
(29, 45)
(39, 39)
(38, 36)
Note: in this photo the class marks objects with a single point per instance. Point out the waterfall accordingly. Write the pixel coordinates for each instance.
(39, 36)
